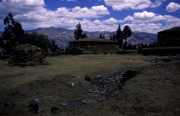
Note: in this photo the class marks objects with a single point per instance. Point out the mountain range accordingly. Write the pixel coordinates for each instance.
(62, 36)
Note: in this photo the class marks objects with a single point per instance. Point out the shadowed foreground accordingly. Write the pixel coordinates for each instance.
(155, 90)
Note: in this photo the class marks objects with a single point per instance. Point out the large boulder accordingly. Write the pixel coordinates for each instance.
(27, 55)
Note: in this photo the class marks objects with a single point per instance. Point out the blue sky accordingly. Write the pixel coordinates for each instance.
(94, 15)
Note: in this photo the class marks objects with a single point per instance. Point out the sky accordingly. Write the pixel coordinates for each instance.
(94, 15)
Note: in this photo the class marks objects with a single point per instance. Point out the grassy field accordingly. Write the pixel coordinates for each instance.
(77, 66)
(154, 87)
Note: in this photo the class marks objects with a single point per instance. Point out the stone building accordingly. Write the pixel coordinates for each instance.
(169, 37)
(93, 46)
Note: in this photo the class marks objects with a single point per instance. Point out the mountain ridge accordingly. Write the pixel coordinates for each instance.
(63, 36)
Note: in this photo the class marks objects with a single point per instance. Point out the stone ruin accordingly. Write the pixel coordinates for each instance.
(27, 55)
(103, 87)
(92, 46)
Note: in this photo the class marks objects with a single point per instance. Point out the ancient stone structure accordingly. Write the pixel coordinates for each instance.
(92, 46)
(169, 37)
(27, 55)
(168, 43)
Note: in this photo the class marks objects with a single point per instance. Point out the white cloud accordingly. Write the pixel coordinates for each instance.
(151, 22)
(110, 21)
(128, 18)
(157, 3)
(33, 14)
(128, 4)
(78, 12)
(145, 27)
(132, 4)
(172, 7)
(144, 15)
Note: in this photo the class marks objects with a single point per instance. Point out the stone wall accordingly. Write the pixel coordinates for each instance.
(93, 46)
(162, 51)
(169, 38)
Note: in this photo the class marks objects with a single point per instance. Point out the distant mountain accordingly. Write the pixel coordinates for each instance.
(62, 36)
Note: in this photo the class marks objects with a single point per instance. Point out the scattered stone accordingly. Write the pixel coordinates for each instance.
(160, 61)
(98, 76)
(90, 91)
(103, 87)
(9, 104)
(71, 84)
(87, 101)
(166, 59)
(13, 93)
(60, 106)
(128, 74)
(43, 111)
(87, 78)
(93, 81)
(66, 104)
(34, 104)
(54, 110)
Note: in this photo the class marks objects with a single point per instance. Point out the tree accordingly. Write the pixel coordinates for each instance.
(127, 32)
(84, 35)
(40, 40)
(103, 37)
(1, 42)
(100, 36)
(111, 38)
(78, 32)
(114, 38)
(13, 32)
(119, 36)
(118, 33)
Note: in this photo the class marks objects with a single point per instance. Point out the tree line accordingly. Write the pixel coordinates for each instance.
(14, 35)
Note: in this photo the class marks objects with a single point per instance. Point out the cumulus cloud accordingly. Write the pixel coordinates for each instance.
(132, 4)
(151, 22)
(144, 15)
(112, 21)
(19, 6)
(128, 18)
(157, 3)
(145, 27)
(33, 14)
(78, 12)
(128, 4)
(172, 7)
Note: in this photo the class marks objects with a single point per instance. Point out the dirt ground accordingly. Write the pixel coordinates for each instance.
(155, 90)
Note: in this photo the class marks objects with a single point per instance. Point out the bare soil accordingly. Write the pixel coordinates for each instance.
(154, 91)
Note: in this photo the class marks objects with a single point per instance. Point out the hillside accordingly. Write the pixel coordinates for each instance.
(63, 36)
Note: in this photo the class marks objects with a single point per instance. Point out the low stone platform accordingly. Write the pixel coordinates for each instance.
(92, 46)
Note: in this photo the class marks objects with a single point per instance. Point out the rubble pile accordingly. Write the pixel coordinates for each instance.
(27, 55)
(163, 60)
(102, 87)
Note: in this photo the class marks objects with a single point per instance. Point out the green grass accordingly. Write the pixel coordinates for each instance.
(77, 66)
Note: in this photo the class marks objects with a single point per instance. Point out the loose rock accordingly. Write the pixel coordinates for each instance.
(87, 101)
(34, 104)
